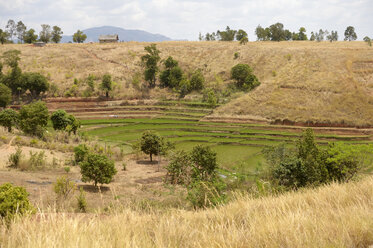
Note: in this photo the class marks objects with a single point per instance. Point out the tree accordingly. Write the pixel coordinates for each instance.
(3, 36)
(79, 37)
(333, 36)
(350, 33)
(302, 34)
(313, 37)
(45, 33)
(33, 118)
(97, 168)
(14, 201)
(35, 82)
(277, 32)
(262, 34)
(5, 95)
(80, 153)
(30, 36)
(152, 143)
(204, 163)
(74, 124)
(368, 40)
(172, 75)
(319, 36)
(13, 79)
(197, 80)
(106, 84)
(150, 62)
(241, 34)
(21, 30)
(9, 118)
(227, 35)
(59, 119)
(11, 28)
(244, 77)
(56, 34)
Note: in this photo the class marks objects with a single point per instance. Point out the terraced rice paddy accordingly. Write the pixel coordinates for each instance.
(182, 123)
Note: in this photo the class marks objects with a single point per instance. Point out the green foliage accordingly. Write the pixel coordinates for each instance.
(14, 201)
(350, 33)
(244, 41)
(227, 35)
(97, 168)
(56, 34)
(204, 163)
(82, 201)
(80, 153)
(179, 169)
(35, 82)
(184, 87)
(5, 95)
(74, 124)
(333, 36)
(150, 61)
(37, 160)
(210, 97)
(45, 33)
(172, 75)
(197, 80)
(63, 187)
(152, 143)
(15, 158)
(203, 194)
(30, 36)
(9, 118)
(124, 166)
(33, 118)
(106, 84)
(244, 77)
(308, 165)
(3, 36)
(262, 34)
(79, 37)
(368, 40)
(59, 120)
(240, 35)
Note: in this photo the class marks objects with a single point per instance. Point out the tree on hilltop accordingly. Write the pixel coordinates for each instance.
(150, 62)
(45, 33)
(350, 33)
(56, 34)
(79, 37)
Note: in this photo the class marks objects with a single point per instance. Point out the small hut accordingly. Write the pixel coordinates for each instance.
(108, 38)
(39, 44)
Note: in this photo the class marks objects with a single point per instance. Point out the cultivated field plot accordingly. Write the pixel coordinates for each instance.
(181, 123)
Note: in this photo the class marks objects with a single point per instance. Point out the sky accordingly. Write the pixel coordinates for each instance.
(184, 19)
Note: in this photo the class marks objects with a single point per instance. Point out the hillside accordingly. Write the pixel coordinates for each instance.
(324, 83)
(331, 216)
(124, 35)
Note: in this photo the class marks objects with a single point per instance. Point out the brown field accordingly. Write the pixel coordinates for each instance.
(301, 81)
(330, 216)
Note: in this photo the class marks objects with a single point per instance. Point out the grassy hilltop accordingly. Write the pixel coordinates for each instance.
(301, 81)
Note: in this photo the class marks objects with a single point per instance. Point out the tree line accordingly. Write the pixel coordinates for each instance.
(277, 32)
(18, 30)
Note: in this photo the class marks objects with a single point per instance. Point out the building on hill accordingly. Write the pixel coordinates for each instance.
(108, 38)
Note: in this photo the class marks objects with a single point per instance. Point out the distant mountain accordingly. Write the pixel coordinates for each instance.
(124, 35)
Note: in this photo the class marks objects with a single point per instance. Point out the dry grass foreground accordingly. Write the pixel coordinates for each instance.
(331, 216)
(301, 81)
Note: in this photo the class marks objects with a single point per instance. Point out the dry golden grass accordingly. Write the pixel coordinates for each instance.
(331, 216)
(301, 81)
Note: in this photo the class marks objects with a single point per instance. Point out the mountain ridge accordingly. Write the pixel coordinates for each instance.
(124, 35)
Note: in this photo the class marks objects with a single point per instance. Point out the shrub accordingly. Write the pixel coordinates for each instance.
(106, 84)
(244, 77)
(37, 159)
(5, 94)
(179, 169)
(172, 75)
(204, 194)
(13, 200)
(80, 153)
(33, 118)
(59, 120)
(97, 168)
(15, 158)
(197, 80)
(63, 187)
(203, 162)
(9, 118)
(82, 201)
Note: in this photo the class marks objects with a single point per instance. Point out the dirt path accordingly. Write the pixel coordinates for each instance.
(93, 55)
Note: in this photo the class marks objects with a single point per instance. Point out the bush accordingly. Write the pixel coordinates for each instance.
(172, 75)
(59, 120)
(179, 169)
(244, 77)
(80, 153)
(204, 163)
(97, 168)
(82, 201)
(15, 158)
(14, 200)
(5, 94)
(197, 80)
(9, 118)
(37, 159)
(33, 118)
(63, 187)
(204, 194)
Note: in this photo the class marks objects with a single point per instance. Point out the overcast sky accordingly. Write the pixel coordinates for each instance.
(184, 19)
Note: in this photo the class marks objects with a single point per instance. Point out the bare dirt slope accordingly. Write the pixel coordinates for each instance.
(301, 81)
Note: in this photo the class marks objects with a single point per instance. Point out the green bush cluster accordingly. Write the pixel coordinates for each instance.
(65, 122)
(244, 78)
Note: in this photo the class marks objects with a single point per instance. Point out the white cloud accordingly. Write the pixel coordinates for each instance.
(184, 19)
